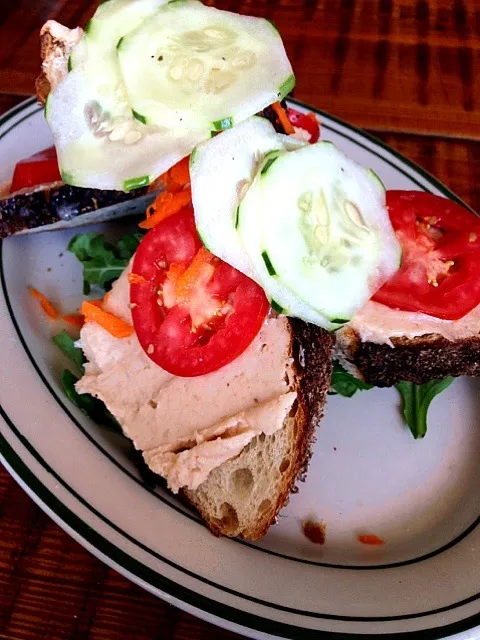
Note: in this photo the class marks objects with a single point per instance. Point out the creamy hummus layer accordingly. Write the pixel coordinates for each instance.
(378, 323)
(188, 426)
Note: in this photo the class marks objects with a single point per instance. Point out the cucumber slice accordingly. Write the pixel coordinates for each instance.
(94, 150)
(221, 170)
(96, 53)
(193, 66)
(78, 54)
(322, 221)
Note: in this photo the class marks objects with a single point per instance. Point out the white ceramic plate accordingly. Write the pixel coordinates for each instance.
(367, 473)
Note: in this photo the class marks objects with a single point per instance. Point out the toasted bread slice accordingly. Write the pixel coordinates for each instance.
(56, 44)
(418, 359)
(243, 496)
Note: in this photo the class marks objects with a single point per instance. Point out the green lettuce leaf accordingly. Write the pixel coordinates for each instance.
(344, 384)
(416, 399)
(67, 344)
(102, 261)
(92, 407)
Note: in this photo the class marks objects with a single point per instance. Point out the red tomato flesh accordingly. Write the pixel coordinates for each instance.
(167, 334)
(41, 168)
(440, 270)
(307, 122)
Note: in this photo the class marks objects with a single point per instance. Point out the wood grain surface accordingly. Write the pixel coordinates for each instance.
(404, 69)
(403, 65)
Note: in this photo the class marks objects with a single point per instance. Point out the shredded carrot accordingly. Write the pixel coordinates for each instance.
(175, 270)
(45, 303)
(114, 325)
(176, 177)
(283, 118)
(165, 206)
(179, 174)
(370, 538)
(135, 278)
(200, 270)
(97, 303)
(105, 298)
(75, 319)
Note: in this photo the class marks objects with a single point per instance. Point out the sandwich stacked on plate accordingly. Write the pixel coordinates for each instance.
(266, 254)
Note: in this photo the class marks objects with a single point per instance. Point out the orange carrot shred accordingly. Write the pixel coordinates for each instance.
(97, 303)
(175, 270)
(198, 270)
(179, 174)
(75, 319)
(111, 323)
(45, 303)
(135, 278)
(283, 118)
(166, 205)
(370, 538)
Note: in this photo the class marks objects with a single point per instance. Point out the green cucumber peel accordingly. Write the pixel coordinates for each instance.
(119, 43)
(268, 264)
(88, 26)
(136, 183)
(192, 157)
(376, 178)
(268, 160)
(139, 117)
(67, 178)
(47, 102)
(276, 307)
(271, 22)
(221, 125)
(69, 64)
(237, 217)
(286, 87)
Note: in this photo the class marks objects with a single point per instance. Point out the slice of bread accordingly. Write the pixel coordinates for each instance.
(243, 496)
(419, 359)
(56, 44)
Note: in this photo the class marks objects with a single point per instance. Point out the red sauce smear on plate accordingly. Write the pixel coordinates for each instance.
(371, 539)
(314, 531)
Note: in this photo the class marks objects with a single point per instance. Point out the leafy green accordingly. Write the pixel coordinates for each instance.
(102, 262)
(92, 407)
(67, 344)
(98, 412)
(416, 400)
(344, 384)
(149, 478)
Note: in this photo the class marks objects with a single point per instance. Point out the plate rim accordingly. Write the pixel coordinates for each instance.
(259, 623)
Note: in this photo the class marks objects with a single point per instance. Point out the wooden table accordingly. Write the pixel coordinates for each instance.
(407, 70)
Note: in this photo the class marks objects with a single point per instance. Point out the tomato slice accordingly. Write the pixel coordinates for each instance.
(307, 122)
(214, 321)
(41, 168)
(440, 270)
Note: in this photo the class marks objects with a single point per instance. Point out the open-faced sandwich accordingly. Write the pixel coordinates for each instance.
(267, 253)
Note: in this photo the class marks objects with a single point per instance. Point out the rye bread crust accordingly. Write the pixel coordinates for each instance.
(312, 349)
(417, 360)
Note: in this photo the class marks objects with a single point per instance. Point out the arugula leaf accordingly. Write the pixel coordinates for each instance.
(149, 478)
(127, 245)
(67, 344)
(98, 412)
(344, 384)
(92, 407)
(102, 261)
(416, 400)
